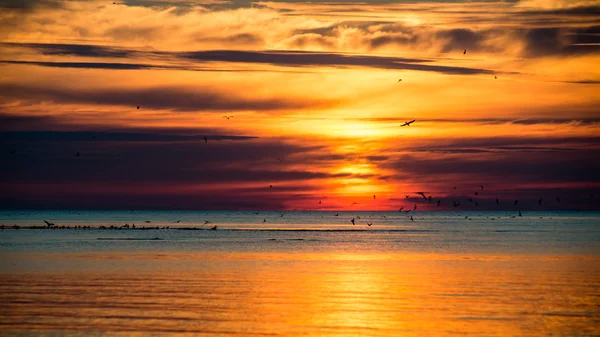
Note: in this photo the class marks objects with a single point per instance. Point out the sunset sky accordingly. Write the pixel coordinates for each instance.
(316, 101)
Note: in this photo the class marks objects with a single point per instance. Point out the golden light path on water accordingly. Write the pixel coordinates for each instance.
(294, 294)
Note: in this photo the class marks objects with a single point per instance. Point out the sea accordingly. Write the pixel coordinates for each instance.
(299, 273)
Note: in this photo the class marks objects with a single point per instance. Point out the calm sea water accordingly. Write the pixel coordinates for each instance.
(300, 274)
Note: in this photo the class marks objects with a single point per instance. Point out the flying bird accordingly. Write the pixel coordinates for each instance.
(465, 52)
(476, 193)
(138, 107)
(270, 186)
(228, 117)
(13, 151)
(438, 203)
(205, 140)
(337, 214)
(352, 222)
(400, 80)
(558, 199)
(415, 208)
(540, 202)
(520, 214)
(401, 208)
(369, 224)
(77, 154)
(411, 218)
(470, 200)
(516, 202)
(429, 199)
(354, 203)
(408, 123)
(456, 204)
(497, 201)
(422, 194)
(282, 214)
(50, 224)
(206, 222)
(264, 220)
(481, 187)
(374, 196)
(495, 77)
(319, 201)
(407, 196)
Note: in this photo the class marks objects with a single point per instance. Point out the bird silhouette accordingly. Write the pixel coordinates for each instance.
(558, 199)
(408, 123)
(415, 208)
(400, 80)
(465, 52)
(516, 202)
(456, 204)
(438, 203)
(411, 218)
(205, 140)
(352, 221)
(481, 187)
(495, 77)
(406, 196)
(138, 107)
(13, 151)
(77, 154)
(354, 203)
(470, 200)
(50, 224)
(422, 194)
(374, 196)
(337, 214)
(540, 202)
(369, 224)
(319, 202)
(228, 117)
(401, 208)
(476, 203)
(429, 199)
(206, 222)
(476, 193)
(497, 201)
(214, 228)
(282, 214)
(520, 214)
(270, 186)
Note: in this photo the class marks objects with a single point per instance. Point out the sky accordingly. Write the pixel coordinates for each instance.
(301, 104)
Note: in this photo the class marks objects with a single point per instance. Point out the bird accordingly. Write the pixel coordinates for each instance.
(407, 211)
(520, 214)
(400, 80)
(138, 107)
(13, 151)
(257, 212)
(497, 201)
(516, 202)
(408, 123)
(558, 199)
(476, 203)
(264, 220)
(456, 204)
(495, 77)
(374, 197)
(401, 208)
(369, 224)
(319, 201)
(415, 208)
(481, 187)
(50, 224)
(438, 203)
(282, 214)
(214, 228)
(454, 187)
(411, 218)
(205, 140)
(178, 221)
(206, 222)
(337, 214)
(352, 222)
(354, 203)
(407, 196)
(470, 200)
(422, 194)
(540, 202)
(77, 154)
(147, 221)
(270, 186)
(228, 117)
(465, 52)
(476, 193)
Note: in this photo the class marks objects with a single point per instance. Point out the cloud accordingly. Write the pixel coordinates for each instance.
(174, 98)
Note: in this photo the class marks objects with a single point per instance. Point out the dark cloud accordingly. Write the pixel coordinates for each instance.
(96, 65)
(175, 98)
(84, 50)
(279, 58)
